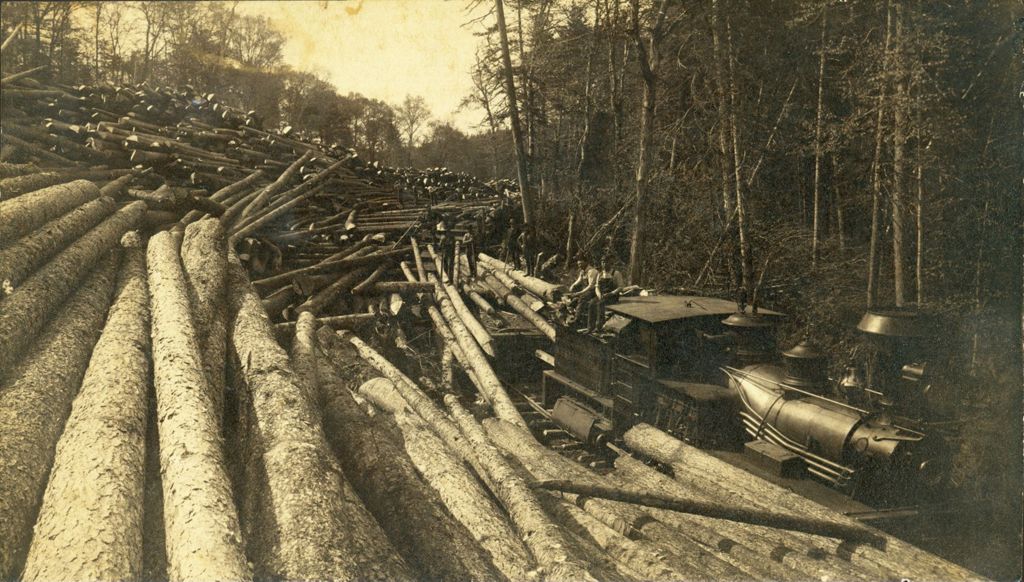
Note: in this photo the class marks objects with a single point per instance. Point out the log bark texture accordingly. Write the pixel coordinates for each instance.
(542, 536)
(311, 525)
(22, 258)
(684, 504)
(417, 522)
(203, 538)
(458, 488)
(899, 558)
(535, 285)
(20, 216)
(489, 382)
(681, 551)
(204, 257)
(27, 309)
(276, 186)
(765, 552)
(35, 399)
(90, 521)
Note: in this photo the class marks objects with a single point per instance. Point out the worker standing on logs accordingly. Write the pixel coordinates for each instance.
(469, 247)
(510, 244)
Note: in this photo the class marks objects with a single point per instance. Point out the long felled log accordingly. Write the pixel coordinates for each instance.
(35, 398)
(436, 545)
(26, 310)
(443, 469)
(504, 294)
(227, 195)
(276, 186)
(898, 559)
(331, 292)
(21, 258)
(765, 552)
(9, 170)
(683, 551)
(686, 505)
(203, 538)
(20, 216)
(332, 266)
(489, 382)
(204, 256)
(242, 231)
(542, 536)
(16, 186)
(421, 404)
(311, 524)
(90, 522)
(465, 315)
(304, 357)
(350, 321)
(538, 287)
(632, 557)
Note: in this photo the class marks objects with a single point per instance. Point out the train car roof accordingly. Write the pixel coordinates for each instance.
(662, 308)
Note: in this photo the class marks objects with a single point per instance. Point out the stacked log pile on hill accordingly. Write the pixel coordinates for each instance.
(158, 252)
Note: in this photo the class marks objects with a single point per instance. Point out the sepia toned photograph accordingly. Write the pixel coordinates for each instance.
(512, 290)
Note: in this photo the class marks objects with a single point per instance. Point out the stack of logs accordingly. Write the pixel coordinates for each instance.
(152, 426)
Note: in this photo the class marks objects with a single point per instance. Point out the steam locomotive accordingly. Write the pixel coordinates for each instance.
(710, 374)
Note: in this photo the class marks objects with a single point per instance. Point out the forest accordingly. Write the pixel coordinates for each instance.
(816, 157)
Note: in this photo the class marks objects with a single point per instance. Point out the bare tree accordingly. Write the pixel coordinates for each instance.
(876, 179)
(649, 54)
(816, 228)
(513, 115)
(411, 116)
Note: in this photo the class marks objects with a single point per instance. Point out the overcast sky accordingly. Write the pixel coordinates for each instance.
(384, 49)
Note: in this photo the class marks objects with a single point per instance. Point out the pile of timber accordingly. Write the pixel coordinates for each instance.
(153, 426)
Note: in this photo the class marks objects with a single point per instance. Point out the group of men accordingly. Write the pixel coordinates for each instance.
(446, 239)
(592, 291)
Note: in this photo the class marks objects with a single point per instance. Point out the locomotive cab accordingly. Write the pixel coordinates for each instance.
(651, 362)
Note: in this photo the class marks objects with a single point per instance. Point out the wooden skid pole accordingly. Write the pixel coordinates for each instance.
(715, 510)
(35, 398)
(90, 522)
(760, 551)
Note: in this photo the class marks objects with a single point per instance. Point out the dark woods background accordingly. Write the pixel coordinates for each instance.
(822, 155)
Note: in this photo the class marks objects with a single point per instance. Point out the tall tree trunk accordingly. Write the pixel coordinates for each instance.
(513, 114)
(816, 232)
(96, 44)
(647, 53)
(646, 144)
(741, 210)
(725, 167)
(898, 159)
(919, 247)
(876, 179)
(838, 202)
